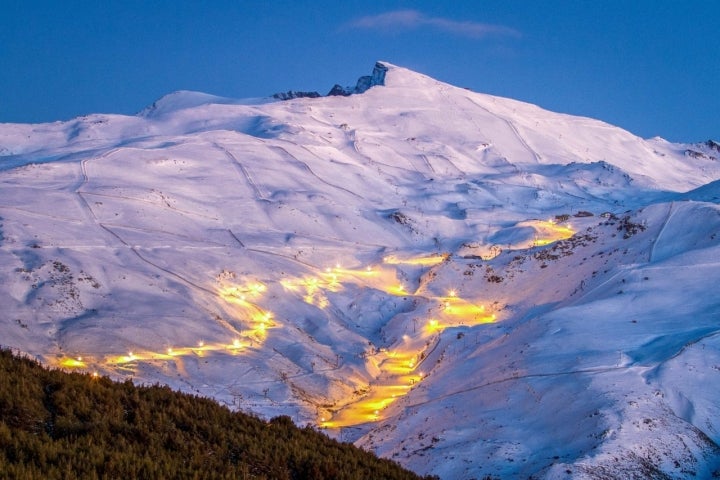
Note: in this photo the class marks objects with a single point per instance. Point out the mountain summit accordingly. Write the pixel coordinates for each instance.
(364, 83)
(468, 284)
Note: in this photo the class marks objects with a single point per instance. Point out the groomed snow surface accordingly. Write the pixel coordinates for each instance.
(467, 284)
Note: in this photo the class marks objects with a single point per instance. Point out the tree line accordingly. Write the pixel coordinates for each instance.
(60, 425)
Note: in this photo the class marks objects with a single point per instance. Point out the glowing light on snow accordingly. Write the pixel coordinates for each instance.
(457, 311)
(289, 285)
(72, 363)
(550, 231)
(434, 326)
(420, 261)
(257, 288)
(397, 368)
(238, 293)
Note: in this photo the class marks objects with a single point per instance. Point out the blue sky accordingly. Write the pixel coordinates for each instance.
(652, 67)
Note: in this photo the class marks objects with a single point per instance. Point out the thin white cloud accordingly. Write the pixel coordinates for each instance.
(412, 19)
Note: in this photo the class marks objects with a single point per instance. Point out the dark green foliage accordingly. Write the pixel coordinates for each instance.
(57, 425)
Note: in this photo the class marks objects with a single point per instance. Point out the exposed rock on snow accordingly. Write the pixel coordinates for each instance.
(364, 83)
(291, 94)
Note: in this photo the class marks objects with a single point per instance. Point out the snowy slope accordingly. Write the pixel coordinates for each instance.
(467, 284)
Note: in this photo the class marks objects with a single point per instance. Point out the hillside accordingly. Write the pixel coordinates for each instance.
(68, 425)
(467, 284)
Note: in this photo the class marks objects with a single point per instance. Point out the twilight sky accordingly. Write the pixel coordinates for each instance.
(650, 66)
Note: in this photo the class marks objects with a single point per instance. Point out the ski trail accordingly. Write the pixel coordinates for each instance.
(41, 215)
(417, 164)
(662, 229)
(324, 238)
(371, 161)
(586, 295)
(83, 202)
(587, 371)
(153, 264)
(83, 171)
(85, 178)
(304, 166)
(154, 204)
(85, 206)
(428, 164)
(205, 242)
(243, 171)
(511, 126)
(232, 234)
(286, 257)
(450, 166)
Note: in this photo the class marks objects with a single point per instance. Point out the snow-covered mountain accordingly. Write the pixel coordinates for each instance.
(470, 285)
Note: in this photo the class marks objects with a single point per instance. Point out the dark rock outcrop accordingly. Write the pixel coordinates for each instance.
(290, 94)
(339, 91)
(363, 84)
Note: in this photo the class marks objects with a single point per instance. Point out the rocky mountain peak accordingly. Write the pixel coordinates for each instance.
(363, 84)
